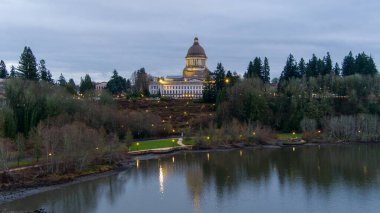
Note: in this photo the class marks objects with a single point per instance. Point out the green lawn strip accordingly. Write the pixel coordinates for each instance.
(153, 144)
(188, 141)
(26, 162)
(286, 136)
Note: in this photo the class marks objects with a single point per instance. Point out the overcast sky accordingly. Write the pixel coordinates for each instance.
(76, 37)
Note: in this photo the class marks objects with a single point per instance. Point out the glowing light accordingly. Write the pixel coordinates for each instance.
(173, 140)
(97, 148)
(173, 160)
(227, 80)
(50, 154)
(173, 130)
(137, 163)
(293, 133)
(241, 153)
(359, 131)
(161, 179)
(208, 137)
(294, 149)
(137, 143)
(152, 125)
(208, 156)
(319, 131)
(254, 133)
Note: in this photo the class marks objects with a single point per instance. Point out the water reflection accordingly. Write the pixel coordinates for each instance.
(234, 181)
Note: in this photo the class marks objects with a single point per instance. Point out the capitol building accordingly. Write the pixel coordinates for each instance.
(191, 84)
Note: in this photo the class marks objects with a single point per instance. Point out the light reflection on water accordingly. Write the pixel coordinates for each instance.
(308, 179)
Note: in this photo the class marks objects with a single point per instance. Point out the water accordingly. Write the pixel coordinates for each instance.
(310, 179)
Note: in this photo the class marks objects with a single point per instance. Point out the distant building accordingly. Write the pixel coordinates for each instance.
(100, 86)
(191, 83)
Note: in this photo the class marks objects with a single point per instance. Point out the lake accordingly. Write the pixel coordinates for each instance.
(344, 178)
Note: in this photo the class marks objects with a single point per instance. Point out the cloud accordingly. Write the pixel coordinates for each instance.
(95, 37)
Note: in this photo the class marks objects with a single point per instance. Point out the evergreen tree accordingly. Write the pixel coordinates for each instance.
(337, 69)
(49, 77)
(348, 65)
(302, 67)
(117, 84)
(209, 91)
(266, 71)
(327, 68)
(62, 80)
(43, 70)
(219, 77)
(257, 68)
(27, 65)
(312, 67)
(364, 65)
(249, 73)
(13, 73)
(71, 87)
(290, 69)
(3, 70)
(86, 84)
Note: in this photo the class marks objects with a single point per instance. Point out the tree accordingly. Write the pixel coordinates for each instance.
(327, 62)
(266, 71)
(249, 73)
(302, 67)
(219, 77)
(43, 70)
(86, 85)
(290, 69)
(117, 84)
(3, 70)
(337, 69)
(13, 72)
(257, 68)
(348, 65)
(27, 65)
(140, 81)
(312, 67)
(71, 87)
(62, 80)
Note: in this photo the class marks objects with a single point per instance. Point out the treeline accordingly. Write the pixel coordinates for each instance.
(29, 69)
(361, 64)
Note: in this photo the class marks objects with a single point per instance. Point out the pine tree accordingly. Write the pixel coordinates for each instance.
(337, 69)
(13, 73)
(249, 73)
(86, 85)
(266, 71)
(71, 87)
(302, 67)
(312, 67)
(220, 75)
(3, 70)
(62, 80)
(49, 77)
(372, 66)
(327, 68)
(257, 68)
(43, 70)
(27, 65)
(348, 65)
(290, 69)
(117, 84)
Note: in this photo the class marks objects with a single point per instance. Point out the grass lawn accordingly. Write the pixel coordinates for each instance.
(24, 162)
(153, 144)
(188, 141)
(286, 136)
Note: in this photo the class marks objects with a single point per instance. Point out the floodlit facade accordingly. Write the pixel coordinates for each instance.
(191, 84)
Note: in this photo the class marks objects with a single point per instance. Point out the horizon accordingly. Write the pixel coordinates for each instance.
(76, 41)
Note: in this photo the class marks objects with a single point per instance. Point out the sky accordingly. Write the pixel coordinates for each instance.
(78, 37)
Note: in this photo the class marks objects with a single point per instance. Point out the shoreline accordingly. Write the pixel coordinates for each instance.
(22, 192)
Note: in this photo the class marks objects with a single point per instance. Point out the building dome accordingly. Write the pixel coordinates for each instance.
(196, 50)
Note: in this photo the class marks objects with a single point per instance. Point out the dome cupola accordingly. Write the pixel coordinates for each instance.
(196, 50)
